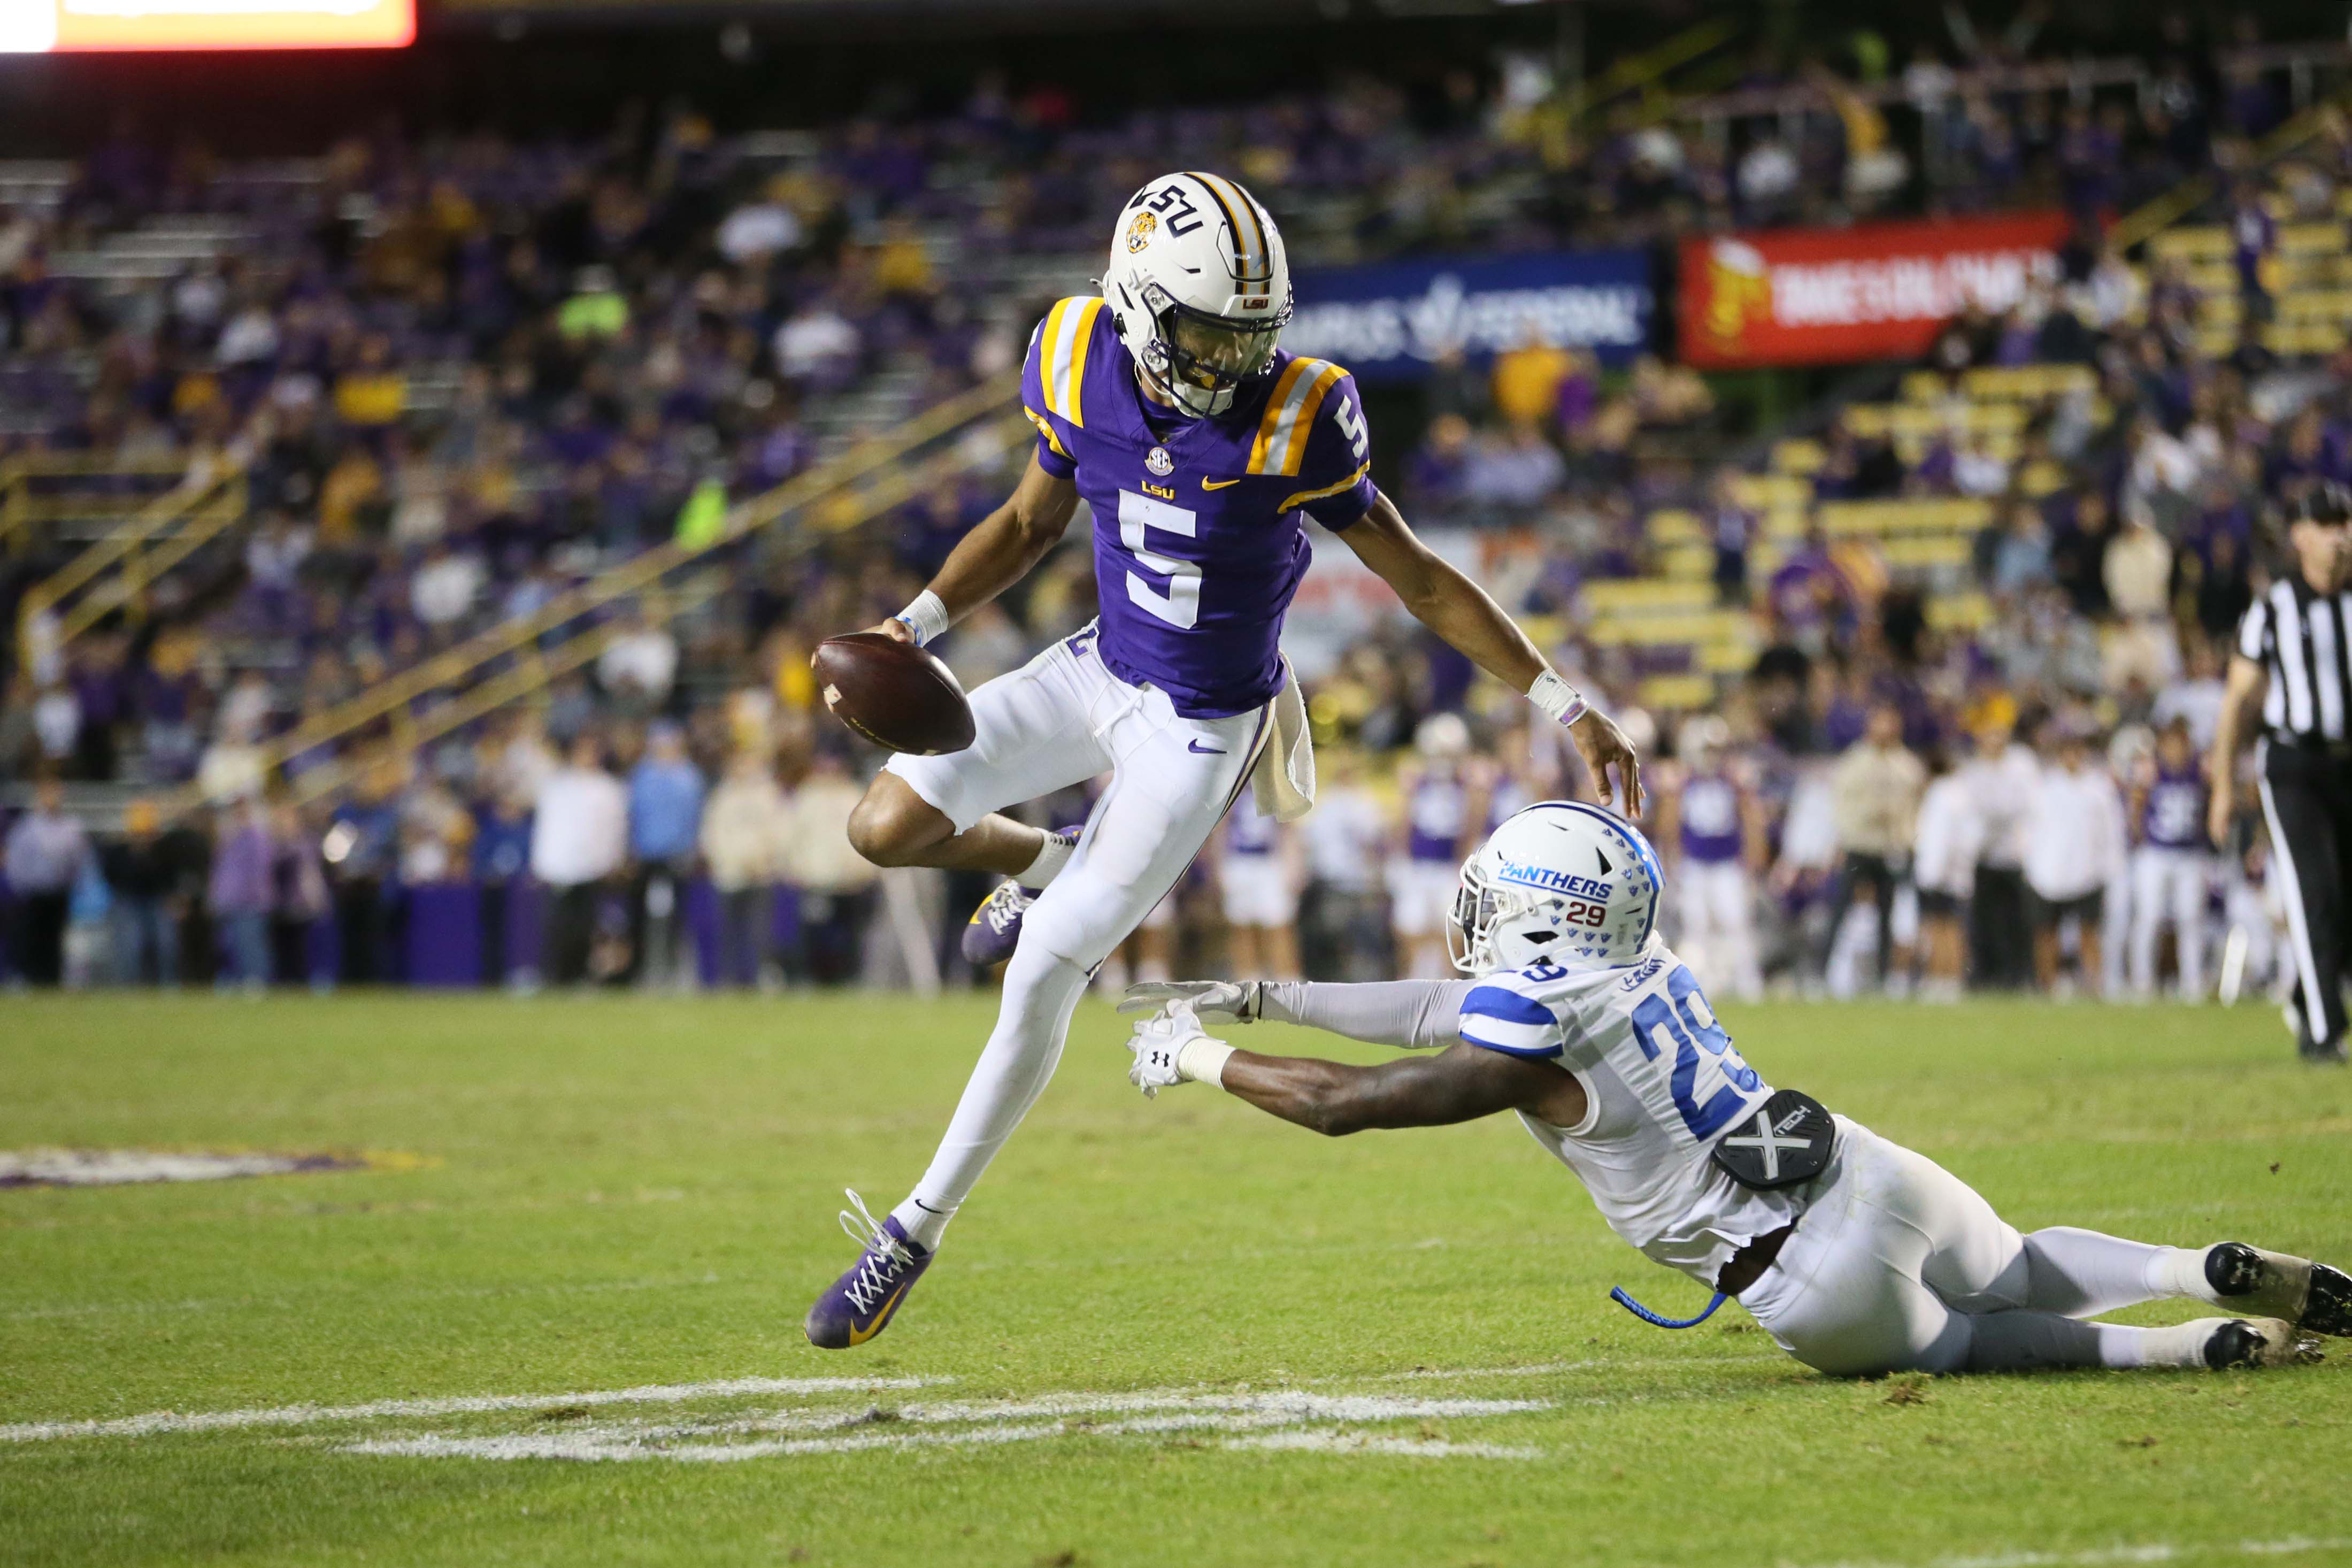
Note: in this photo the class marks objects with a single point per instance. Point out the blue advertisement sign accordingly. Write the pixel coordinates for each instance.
(1386, 322)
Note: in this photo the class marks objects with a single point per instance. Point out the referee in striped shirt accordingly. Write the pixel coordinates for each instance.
(2295, 657)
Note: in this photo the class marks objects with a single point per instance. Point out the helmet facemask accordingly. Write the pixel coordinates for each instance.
(1480, 910)
(1474, 912)
(1200, 360)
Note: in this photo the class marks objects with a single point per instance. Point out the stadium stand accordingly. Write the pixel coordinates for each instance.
(368, 482)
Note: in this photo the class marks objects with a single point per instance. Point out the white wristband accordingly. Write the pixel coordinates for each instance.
(1558, 698)
(927, 617)
(1202, 1060)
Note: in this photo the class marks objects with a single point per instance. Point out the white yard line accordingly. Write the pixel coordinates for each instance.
(971, 1424)
(1148, 1412)
(585, 1447)
(166, 1421)
(1283, 1403)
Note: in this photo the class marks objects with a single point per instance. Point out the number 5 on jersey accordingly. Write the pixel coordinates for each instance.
(1181, 604)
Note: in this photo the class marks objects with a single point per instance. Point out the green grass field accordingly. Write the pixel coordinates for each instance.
(1176, 1332)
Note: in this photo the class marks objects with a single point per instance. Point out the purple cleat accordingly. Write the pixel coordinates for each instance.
(994, 929)
(860, 1303)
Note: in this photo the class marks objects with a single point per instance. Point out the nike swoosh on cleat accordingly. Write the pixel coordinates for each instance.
(1205, 751)
(880, 1318)
(1217, 484)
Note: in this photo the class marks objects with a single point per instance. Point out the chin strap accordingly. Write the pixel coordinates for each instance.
(1617, 1294)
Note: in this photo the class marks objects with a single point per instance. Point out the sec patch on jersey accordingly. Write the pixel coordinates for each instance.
(895, 694)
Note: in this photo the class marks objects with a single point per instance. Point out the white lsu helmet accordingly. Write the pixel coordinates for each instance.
(1199, 287)
(1561, 882)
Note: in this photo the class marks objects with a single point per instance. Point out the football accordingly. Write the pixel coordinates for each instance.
(893, 693)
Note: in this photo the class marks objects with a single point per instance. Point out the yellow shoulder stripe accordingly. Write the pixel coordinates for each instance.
(1289, 419)
(1063, 344)
(1303, 497)
(1045, 428)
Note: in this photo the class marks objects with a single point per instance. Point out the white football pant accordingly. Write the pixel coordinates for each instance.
(1421, 902)
(2168, 884)
(1256, 892)
(1899, 1266)
(1060, 719)
(1717, 902)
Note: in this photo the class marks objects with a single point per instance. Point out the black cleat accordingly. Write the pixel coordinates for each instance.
(2233, 1269)
(2313, 1297)
(2258, 1342)
(2327, 1310)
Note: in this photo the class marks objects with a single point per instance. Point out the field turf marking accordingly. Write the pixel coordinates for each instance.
(173, 1421)
(1289, 1414)
(167, 1422)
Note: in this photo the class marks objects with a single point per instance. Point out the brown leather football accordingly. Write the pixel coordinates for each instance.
(893, 693)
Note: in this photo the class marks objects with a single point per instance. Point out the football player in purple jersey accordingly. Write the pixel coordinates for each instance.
(1199, 448)
(2172, 868)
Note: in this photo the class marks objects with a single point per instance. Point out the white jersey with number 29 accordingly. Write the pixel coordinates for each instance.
(1662, 1082)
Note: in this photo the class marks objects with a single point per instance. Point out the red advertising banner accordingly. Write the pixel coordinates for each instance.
(1825, 296)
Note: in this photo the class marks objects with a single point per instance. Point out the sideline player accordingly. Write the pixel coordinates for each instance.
(1440, 799)
(1714, 817)
(2172, 870)
(1260, 869)
(1856, 1255)
(1199, 448)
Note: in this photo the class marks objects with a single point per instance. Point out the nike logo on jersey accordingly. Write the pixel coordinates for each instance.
(1217, 484)
(1205, 751)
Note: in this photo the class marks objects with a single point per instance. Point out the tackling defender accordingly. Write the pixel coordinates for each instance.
(1856, 1255)
(1198, 446)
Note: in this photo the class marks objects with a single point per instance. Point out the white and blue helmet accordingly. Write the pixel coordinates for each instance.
(1561, 882)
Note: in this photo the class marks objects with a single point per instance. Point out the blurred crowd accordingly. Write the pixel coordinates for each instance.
(465, 375)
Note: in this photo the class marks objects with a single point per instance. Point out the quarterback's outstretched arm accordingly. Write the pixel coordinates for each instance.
(999, 552)
(1458, 610)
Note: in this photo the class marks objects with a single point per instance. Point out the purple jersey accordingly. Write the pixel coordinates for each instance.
(1246, 831)
(1437, 810)
(2173, 817)
(1710, 819)
(1198, 542)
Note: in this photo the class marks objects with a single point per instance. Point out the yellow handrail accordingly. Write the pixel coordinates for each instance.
(140, 568)
(635, 576)
(511, 686)
(2162, 212)
(629, 576)
(207, 477)
(546, 665)
(1645, 70)
(20, 507)
(151, 520)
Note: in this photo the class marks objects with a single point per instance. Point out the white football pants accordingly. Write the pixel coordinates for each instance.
(1058, 719)
(1899, 1266)
(2168, 884)
(1718, 906)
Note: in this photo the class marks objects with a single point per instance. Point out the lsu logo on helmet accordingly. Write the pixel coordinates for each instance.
(1140, 231)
